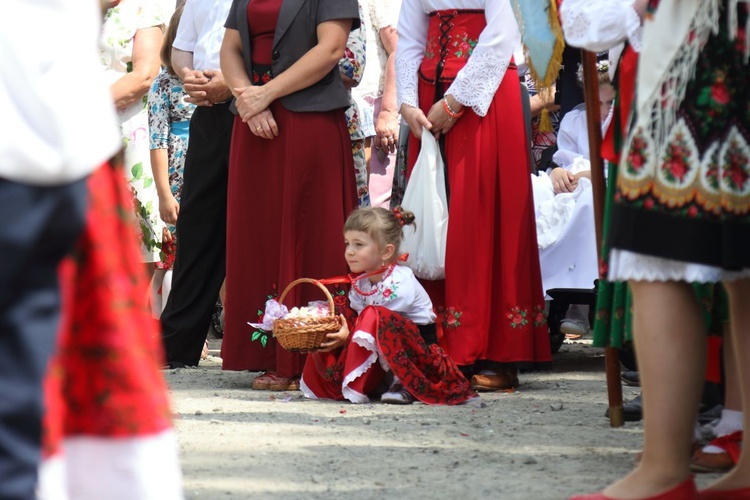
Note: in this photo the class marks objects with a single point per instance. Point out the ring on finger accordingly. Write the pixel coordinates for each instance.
(258, 128)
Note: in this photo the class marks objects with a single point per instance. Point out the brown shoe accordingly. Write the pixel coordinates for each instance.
(293, 385)
(711, 462)
(262, 382)
(718, 462)
(503, 380)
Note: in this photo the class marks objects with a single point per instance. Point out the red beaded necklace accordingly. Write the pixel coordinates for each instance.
(388, 271)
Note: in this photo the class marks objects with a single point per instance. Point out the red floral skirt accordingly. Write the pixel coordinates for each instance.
(105, 379)
(490, 304)
(383, 340)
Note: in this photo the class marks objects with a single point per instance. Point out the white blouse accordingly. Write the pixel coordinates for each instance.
(400, 292)
(476, 84)
(573, 138)
(599, 25)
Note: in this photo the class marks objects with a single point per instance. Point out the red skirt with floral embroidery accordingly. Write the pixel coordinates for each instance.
(491, 304)
(105, 380)
(384, 340)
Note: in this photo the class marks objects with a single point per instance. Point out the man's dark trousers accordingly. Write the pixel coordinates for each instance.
(200, 263)
(38, 227)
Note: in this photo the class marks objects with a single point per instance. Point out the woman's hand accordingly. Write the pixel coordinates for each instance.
(386, 130)
(336, 340)
(251, 100)
(166, 236)
(169, 209)
(263, 125)
(563, 181)
(641, 6)
(131, 87)
(416, 119)
(441, 121)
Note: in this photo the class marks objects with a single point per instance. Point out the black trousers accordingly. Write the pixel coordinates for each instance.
(200, 262)
(38, 227)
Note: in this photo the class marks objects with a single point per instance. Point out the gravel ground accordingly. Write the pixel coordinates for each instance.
(547, 440)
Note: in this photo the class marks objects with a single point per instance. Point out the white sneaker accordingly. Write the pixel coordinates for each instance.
(573, 329)
(397, 395)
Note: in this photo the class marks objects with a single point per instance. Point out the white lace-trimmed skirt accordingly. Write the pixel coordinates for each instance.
(630, 266)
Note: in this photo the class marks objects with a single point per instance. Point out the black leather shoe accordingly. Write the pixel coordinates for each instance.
(632, 411)
(631, 378)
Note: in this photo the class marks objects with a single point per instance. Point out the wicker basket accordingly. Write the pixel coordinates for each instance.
(305, 334)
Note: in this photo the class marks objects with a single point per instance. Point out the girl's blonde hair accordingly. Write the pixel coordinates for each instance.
(383, 226)
(169, 36)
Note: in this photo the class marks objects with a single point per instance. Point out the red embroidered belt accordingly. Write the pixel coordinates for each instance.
(451, 38)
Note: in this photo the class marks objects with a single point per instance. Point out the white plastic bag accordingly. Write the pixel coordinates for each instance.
(425, 197)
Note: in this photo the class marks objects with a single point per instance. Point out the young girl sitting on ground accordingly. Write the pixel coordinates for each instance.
(390, 330)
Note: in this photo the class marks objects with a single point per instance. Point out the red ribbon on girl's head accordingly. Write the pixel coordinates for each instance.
(397, 213)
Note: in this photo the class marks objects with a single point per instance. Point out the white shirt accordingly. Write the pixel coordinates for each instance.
(400, 292)
(476, 83)
(58, 119)
(573, 137)
(201, 31)
(599, 25)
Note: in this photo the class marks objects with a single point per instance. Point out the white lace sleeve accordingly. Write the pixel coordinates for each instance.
(476, 84)
(413, 22)
(599, 25)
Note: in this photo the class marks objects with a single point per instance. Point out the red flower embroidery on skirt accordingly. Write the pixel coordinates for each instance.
(449, 317)
(539, 318)
(719, 93)
(517, 317)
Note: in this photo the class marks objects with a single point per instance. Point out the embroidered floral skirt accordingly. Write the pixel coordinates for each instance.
(491, 304)
(382, 341)
(682, 208)
(287, 202)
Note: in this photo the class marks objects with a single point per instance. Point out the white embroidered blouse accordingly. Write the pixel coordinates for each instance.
(600, 24)
(476, 84)
(400, 292)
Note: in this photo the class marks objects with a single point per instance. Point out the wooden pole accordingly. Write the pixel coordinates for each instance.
(593, 117)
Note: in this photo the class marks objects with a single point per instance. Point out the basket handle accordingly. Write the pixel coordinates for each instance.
(294, 283)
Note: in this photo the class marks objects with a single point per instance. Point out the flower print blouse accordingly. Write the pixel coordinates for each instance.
(352, 66)
(169, 115)
(169, 123)
(118, 34)
(400, 292)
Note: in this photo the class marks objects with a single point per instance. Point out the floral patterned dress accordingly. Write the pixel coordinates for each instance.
(116, 51)
(168, 126)
(352, 66)
(682, 206)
